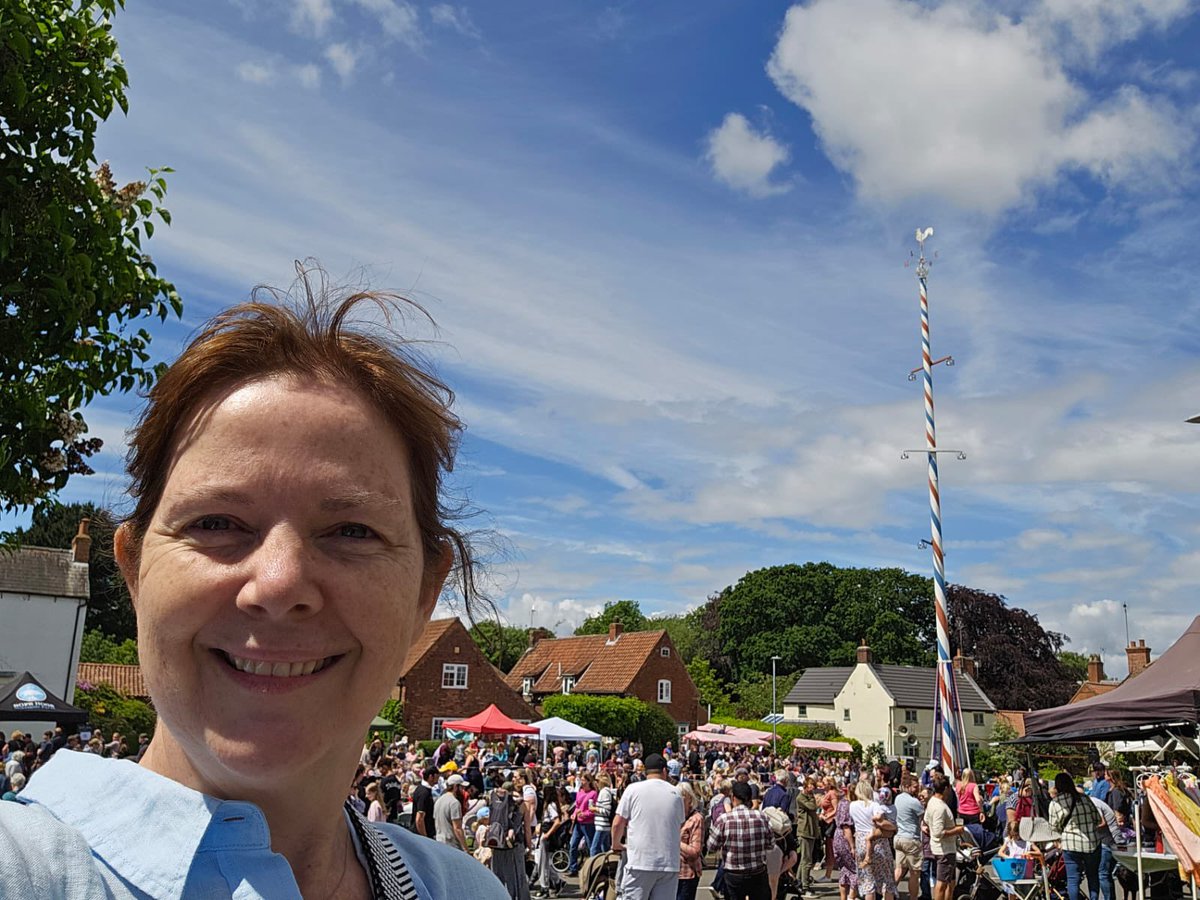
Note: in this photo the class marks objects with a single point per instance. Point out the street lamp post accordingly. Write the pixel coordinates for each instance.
(774, 725)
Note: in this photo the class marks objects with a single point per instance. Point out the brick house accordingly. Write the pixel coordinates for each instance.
(124, 679)
(641, 664)
(446, 676)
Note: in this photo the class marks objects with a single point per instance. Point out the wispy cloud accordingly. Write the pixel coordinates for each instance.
(456, 18)
(344, 60)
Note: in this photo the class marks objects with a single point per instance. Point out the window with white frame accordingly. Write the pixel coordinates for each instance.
(910, 715)
(846, 714)
(568, 683)
(681, 728)
(435, 731)
(979, 719)
(527, 684)
(454, 675)
(666, 651)
(664, 690)
(802, 711)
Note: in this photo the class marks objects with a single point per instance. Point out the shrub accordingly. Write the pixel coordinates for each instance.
(615, 717)
(109, 710)
(820, 731)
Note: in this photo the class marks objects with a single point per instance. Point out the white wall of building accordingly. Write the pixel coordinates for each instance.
(869, 704)
(41, 635)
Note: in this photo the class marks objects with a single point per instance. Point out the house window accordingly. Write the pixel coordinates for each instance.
(846, 714)
(664, 690)
(568, 683)
(527, 684)
(972, 748)
(682, 728)
(454, 675)
(910, 715)
(665, 651)
(435, 731)
(801, 711)
(979, 719)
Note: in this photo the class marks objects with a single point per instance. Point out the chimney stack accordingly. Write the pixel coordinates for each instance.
(1095, 668)
(614, 632)
(81, 544)
(964, 664)
(1138, 657)
(864, 654)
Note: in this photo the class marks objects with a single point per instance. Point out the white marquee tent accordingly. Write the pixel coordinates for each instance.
(556, 729)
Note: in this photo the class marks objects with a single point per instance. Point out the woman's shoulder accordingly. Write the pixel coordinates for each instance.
(43, 857)
(443, 870)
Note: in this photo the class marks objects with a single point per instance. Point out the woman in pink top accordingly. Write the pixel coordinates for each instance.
(691, 844)
(585, 820)
(970, 801)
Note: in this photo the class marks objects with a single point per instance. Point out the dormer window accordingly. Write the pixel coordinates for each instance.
(568, 684)
(527, 685)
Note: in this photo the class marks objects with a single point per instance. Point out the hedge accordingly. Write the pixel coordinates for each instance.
(820, 731)
(615, 717)
(109, 710)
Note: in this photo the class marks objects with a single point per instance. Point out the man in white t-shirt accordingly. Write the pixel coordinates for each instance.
(646, 828)
(448, 814)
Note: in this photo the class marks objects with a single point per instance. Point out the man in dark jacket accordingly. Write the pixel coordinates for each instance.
(808, 832)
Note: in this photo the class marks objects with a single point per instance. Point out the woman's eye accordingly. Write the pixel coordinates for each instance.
(354, 530)
(213, 523)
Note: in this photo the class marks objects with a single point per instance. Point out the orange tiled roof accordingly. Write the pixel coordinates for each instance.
(1089, 689)
(597, 666)
(430, 636)
(126, 679)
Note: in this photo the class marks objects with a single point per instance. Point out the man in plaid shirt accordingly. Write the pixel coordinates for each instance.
(743, 836)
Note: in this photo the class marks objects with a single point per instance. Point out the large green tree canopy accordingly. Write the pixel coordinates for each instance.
(75, 279)
(816, 614)
(627, 612)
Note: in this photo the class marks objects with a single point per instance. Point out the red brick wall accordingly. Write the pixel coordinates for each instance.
(684, 705)
(425, 698)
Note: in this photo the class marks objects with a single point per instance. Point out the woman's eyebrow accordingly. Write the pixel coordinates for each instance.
(358, 499)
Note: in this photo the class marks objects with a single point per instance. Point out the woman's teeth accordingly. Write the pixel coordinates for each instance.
(279, 669)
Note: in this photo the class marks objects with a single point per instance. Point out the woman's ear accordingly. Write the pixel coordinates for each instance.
(127, 553)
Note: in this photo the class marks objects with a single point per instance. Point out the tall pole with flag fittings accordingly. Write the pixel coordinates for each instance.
(949, 744)
(774, 719)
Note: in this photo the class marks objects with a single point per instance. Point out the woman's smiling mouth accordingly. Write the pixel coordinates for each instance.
(277, 669)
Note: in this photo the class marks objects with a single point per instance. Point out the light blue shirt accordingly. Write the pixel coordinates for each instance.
(87, 827)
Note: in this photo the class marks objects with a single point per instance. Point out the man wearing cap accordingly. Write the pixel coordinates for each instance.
(447, 814)
(646, 828)
(743, 836)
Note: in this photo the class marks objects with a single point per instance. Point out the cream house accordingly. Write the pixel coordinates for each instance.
(888, 704)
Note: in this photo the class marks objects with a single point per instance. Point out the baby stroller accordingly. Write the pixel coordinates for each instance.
(598, 877)
(1056, 874)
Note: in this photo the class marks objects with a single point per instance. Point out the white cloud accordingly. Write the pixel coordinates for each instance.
(397, 18)
(744, 158)
(456, 18)
(311, 16)
(1092, 26)
(255, 72)
(308, 75)
(957, 103)
(344, 59)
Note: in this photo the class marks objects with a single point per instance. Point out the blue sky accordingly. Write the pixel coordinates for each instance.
(665, 247)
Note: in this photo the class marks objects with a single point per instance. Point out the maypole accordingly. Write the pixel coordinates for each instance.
(949, 745)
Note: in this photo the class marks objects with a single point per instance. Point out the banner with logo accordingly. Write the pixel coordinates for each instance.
(25, 699)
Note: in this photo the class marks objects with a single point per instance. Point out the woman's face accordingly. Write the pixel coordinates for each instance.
(281, 577)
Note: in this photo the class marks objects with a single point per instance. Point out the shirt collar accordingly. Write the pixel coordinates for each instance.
(145, 827)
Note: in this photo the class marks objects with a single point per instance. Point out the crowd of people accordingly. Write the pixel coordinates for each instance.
(770, 825)
(765, 822)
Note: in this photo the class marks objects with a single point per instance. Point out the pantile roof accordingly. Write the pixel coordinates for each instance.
(1089, 689)
(430, 636)
(126, 679)
(43, 571)
(598, 665)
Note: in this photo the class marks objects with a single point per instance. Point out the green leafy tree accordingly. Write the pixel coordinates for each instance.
(1075, 664)
(501, 644)
(627, 612)
(708, 686)
(109, 608)
(75, 280)
(815, 615)
(393, 711)
(97, 647)
(993, 757)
